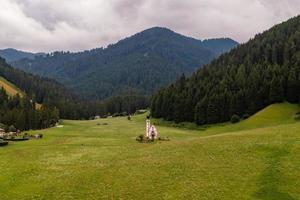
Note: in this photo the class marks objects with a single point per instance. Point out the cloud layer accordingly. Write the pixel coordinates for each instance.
(49, 25)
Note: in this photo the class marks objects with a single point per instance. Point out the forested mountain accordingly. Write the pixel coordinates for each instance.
(69, 104)
(20, 111)
(137, 65)
(12, 55)
(263, 71)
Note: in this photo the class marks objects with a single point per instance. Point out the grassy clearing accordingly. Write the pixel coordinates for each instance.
(84, 160)
(13, 90)
(10, 88)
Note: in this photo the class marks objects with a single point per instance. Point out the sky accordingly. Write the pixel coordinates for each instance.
(75, 25)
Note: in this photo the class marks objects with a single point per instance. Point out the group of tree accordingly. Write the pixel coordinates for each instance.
(22, 113)
(264, 71)
(141, 63)
(71, 105)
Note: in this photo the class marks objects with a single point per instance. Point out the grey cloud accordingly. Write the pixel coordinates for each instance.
(50, 25)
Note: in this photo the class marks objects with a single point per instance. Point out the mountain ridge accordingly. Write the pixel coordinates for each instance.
(13, 55)
(139, 64)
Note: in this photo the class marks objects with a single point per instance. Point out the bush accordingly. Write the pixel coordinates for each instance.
(297, 117)
(235, 119)
(3, 143)
(246, 116)
(138, 112)
(142, 139)
(12, 128)
(2, 126)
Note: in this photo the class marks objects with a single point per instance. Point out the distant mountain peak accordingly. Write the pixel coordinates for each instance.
(142, 62)
(12, 55)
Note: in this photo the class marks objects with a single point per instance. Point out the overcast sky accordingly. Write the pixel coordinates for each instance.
(48, 25)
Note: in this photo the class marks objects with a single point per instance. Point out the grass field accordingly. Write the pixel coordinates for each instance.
(258, 158)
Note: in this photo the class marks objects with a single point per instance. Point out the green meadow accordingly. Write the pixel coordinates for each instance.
(258, 158)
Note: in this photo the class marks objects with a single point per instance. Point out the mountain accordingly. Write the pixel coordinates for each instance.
(36, 89)
(252, 76)
(52, 94)
(136, 65)
(20, 95)
(12, 55)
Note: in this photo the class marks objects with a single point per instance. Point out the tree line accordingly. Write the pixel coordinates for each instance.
(56, 99)
(264, 71)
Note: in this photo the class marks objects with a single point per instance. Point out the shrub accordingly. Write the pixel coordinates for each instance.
(116, 115)
(140, 138)
(123, 114)
(12, 128)
(138, 112)
(2, 126)
(3, 143)
(235, 119)
(297, 117)
(246, 116)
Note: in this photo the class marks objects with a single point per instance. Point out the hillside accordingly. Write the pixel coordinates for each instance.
(40, 91)
(273, 115)
(70, 104)
(10, 88)
(249, 163)
(139, 64)
(13, 90)
(12, 55)
(252, 76)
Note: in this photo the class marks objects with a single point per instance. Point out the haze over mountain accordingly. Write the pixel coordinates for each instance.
(250, 77)
(139, 64)
(49, 25)
(12, 55)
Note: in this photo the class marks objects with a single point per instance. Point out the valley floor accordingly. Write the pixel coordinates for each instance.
(258, 158)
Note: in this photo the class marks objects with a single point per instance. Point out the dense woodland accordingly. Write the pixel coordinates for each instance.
(22, 114)
(137, 65)
(263, 71)
(55, 96)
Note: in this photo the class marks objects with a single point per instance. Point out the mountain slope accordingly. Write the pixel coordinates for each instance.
(40, 91)
(273, 115)
(263, 71)
(136, 65)
(10, 88)
(12, 55)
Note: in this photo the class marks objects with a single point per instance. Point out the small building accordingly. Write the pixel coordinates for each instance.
(151, 131)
